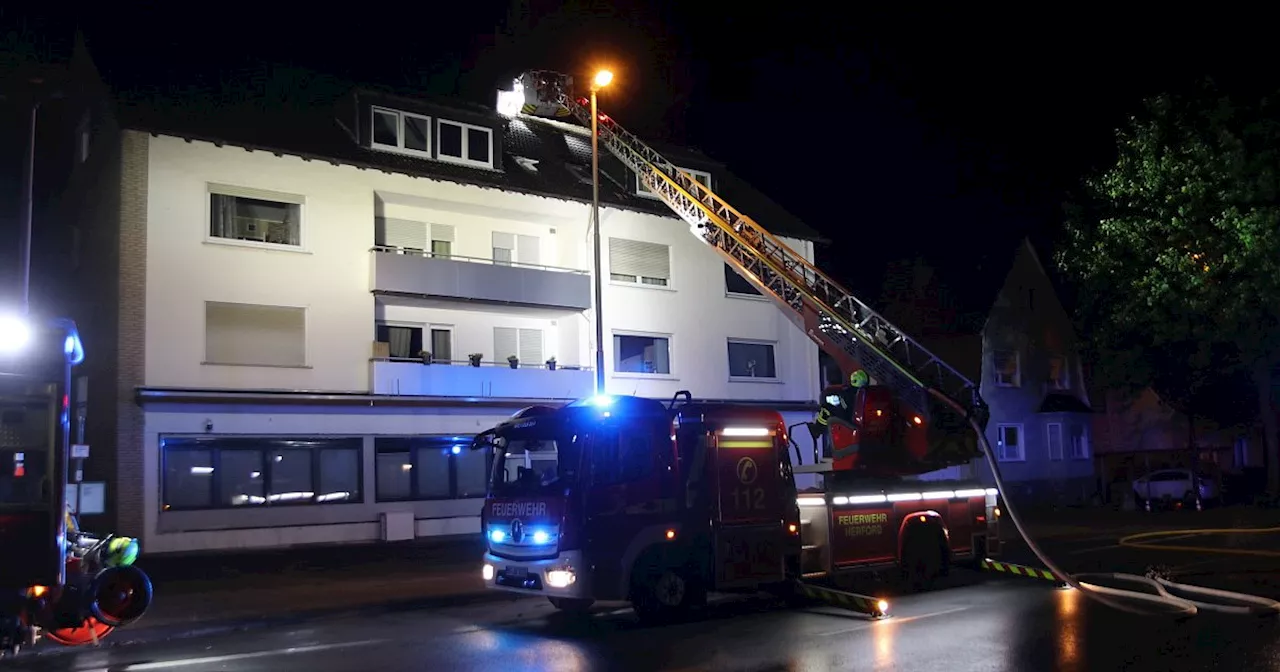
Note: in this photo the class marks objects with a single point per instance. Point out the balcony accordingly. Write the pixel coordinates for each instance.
(417, 273)
(403, 378)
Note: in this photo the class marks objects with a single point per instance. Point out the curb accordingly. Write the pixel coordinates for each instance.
(133, 636)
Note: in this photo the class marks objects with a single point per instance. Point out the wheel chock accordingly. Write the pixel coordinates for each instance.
(871, 606)
(1022, 570)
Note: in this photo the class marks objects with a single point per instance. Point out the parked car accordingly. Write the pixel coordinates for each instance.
(1175, 485)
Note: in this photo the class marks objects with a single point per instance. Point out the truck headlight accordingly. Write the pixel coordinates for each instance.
(560, 578)
(487, 572)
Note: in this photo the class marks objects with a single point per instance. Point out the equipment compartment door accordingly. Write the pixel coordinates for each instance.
(748, 555)
(748, 480)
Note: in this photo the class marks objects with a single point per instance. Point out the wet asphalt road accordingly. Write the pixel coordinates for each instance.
(975, 623)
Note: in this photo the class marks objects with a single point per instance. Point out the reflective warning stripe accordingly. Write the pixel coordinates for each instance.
(840, 598)
(1020, 570)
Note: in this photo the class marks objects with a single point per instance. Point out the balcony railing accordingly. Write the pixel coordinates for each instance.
(490, 379)
(405, 271)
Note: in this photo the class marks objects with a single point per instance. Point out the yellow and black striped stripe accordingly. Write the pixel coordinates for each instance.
(871, 606)
(1020, 570)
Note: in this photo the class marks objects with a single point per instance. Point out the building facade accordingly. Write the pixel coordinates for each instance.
(293, 338)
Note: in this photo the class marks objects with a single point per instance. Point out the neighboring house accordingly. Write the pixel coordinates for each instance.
(261, 284)
(1026, 358)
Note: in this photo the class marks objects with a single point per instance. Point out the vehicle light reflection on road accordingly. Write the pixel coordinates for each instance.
(883, 634)
(1068, 628)
(528, 653)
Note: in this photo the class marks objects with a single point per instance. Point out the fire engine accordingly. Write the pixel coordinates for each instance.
(55, 581)
(620, 498)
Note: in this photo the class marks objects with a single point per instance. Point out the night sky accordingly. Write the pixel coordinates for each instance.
(948, 134)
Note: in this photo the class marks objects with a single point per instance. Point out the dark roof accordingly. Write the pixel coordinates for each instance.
(537, 157)
(1060, 402)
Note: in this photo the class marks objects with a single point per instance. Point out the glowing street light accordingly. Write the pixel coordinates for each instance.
(598, 82)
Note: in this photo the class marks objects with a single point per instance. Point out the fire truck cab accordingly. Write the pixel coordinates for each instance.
(618, 498)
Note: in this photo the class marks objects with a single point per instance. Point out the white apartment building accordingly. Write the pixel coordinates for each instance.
(299, 335)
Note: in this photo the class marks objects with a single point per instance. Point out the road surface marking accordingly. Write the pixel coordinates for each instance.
(1111, 546)
(211, 660)
(891, 619)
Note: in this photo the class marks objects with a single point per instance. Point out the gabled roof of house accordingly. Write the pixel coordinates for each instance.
(302, 119)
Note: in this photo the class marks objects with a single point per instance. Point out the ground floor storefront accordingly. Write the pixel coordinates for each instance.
(225, 472)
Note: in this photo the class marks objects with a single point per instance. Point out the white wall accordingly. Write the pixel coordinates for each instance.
(329, 276)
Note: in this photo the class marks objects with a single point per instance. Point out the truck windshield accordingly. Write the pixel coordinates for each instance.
(533, 465)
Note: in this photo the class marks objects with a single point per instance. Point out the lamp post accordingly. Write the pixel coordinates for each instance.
(600, 81)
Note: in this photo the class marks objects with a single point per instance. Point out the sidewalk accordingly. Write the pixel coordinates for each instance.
(234, 590)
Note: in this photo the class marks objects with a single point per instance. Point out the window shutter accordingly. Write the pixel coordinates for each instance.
(504, 241)
(238, 333)
(527, 249)
(531, 345)
(442, 232)
(634, 257)
(504, 343)
(401, 233)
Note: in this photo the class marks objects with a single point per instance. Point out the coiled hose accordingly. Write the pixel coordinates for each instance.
(1168, 598)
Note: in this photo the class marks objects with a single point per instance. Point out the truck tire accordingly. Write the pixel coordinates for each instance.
(666, 594)
(571, 604)
(922, 559)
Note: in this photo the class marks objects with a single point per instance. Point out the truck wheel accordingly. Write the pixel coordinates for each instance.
(666, 595)
(921, 561)
(571, 604)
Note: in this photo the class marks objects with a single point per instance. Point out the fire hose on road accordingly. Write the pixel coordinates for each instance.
(1165, 597)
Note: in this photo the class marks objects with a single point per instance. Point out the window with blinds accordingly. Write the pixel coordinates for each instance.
(400, 234)
(523, 343)
(639, 262)
(509, 247)
(253, 335)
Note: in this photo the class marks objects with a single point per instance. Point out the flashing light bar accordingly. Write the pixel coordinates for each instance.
(745, 431)
(844, 500)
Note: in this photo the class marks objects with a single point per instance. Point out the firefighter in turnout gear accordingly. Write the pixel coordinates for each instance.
(838, 404)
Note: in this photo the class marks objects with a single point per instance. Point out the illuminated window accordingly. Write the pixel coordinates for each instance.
(641, 354)
(429, 467)
(1059, 376)
(252, 216)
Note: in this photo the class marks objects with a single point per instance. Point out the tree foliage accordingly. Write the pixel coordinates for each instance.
(1176, 248)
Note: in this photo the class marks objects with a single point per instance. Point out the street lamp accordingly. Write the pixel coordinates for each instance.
(598, 82)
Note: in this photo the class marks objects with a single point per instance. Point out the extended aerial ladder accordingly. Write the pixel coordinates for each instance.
(843, 326)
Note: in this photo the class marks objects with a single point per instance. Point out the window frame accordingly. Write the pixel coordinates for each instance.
(1022, 447)
(1062, 450)
(414, 495)
(399, 147)
(306, 332)
(643, 192)
(428, 343)
(773, 350)
(286, 198)
(638, 280)
(1017, 368)
(671, 360)
(205, 442)
(1063, 382)
(1086, 441)
(464, 160)
(754, 295)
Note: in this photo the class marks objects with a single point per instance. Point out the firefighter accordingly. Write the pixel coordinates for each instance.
(118, 551)
(840, 405)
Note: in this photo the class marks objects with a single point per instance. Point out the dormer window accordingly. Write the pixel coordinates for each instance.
(404, 132)
(464, 143)
(703, 178)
